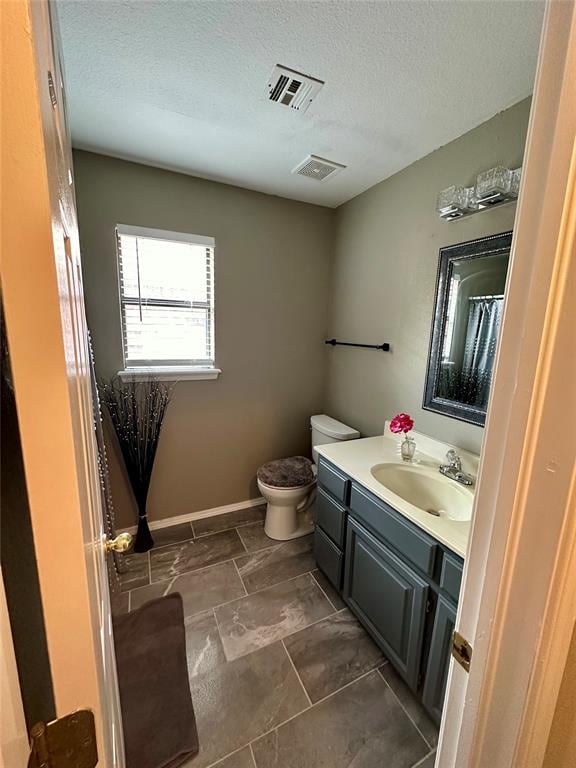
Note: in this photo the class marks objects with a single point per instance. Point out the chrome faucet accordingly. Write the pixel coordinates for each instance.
(453, 469)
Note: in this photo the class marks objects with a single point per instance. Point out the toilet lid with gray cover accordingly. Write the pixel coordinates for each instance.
(286, 473)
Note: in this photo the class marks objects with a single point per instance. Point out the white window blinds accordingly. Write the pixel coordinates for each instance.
(166, 296)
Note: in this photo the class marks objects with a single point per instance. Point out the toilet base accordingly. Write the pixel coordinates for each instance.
(289, 511)
(283, 523)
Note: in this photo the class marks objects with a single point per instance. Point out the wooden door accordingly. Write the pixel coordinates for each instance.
(46, 329)
(388, 597)
(13, 737)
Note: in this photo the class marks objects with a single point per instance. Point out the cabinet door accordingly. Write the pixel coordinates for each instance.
(388, 597)
(439, 658)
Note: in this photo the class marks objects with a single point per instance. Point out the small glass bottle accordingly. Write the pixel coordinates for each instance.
(407, 448)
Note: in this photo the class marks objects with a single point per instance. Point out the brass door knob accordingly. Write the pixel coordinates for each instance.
(121, 543)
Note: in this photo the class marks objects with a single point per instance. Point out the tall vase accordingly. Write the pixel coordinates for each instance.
(143, 541)
(407, 448)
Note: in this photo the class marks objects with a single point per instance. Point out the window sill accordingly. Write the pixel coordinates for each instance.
(170, 373)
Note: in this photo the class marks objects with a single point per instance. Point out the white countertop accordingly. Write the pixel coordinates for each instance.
(356, 457)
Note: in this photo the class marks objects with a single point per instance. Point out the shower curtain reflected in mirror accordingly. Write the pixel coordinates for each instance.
(484, 318)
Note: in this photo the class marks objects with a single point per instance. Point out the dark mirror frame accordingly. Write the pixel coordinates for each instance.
(473, 249)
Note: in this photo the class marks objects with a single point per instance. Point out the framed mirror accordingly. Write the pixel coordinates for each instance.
(465, 326)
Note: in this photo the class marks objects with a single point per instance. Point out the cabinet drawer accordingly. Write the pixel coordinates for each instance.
(330, 516)
(328, 557)
(406, 538)
(335, 482)
(451, 576)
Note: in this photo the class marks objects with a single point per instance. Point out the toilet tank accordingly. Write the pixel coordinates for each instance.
(327, 430)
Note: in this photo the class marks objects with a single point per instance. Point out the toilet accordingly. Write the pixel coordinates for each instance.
(289, 485)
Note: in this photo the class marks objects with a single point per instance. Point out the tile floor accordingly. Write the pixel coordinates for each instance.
(281, 673)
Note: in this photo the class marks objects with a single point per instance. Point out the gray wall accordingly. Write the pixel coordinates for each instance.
(272, 281)
(384, 276)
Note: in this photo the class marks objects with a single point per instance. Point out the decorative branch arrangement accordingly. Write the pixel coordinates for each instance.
(137, 410)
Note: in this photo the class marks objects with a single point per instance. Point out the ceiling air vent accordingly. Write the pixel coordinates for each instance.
(292, 89)
(317, 168)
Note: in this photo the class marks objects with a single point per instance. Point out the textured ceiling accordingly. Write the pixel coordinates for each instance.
(182, 84)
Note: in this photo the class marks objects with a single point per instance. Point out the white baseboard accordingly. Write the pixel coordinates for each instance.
(199, 515)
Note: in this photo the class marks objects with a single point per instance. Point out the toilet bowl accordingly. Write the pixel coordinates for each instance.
(289, 485)
(288, 512)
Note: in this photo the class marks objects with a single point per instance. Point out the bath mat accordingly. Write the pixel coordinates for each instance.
(157, 712)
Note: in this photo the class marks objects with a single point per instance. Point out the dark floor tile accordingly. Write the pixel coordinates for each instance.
(228, 520)
(329, 590)
(428, 762)
(241, 759)
(254, 538)
(176, 559)
(411, 704)
(135, 571)
(119, 603)
(204, 649)
(362, 726)
(237, 702)
(276, 564)
(332, 653)
(172, 535)
(267, 616)
(149, 592)
(200, 590)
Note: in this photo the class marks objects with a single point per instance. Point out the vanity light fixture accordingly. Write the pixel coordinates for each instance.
(494, 187)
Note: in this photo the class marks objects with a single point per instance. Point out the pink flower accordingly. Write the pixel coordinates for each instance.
(401, 423)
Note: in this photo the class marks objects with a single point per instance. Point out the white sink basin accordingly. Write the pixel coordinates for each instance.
(426, 489)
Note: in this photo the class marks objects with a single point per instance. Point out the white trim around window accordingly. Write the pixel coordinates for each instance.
(166, 292)
(170, 373)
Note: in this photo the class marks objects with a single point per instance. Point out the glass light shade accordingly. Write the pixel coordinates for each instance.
(455, 201)
(471, 202)
(495, 182)
(515, 182)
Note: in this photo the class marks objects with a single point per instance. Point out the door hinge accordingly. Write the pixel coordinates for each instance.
(52, 89)
(69, 742)
(462, 651)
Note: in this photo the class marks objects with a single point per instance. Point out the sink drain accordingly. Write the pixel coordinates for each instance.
(433, 512)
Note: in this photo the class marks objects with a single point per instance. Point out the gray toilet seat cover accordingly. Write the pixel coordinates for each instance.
(287, 473)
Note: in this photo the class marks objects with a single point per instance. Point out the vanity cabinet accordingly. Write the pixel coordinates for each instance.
(400, 582)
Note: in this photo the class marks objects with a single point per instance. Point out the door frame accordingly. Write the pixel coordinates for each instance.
(518, 601)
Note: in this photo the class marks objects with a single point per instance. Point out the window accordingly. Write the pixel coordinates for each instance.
(167, 302)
